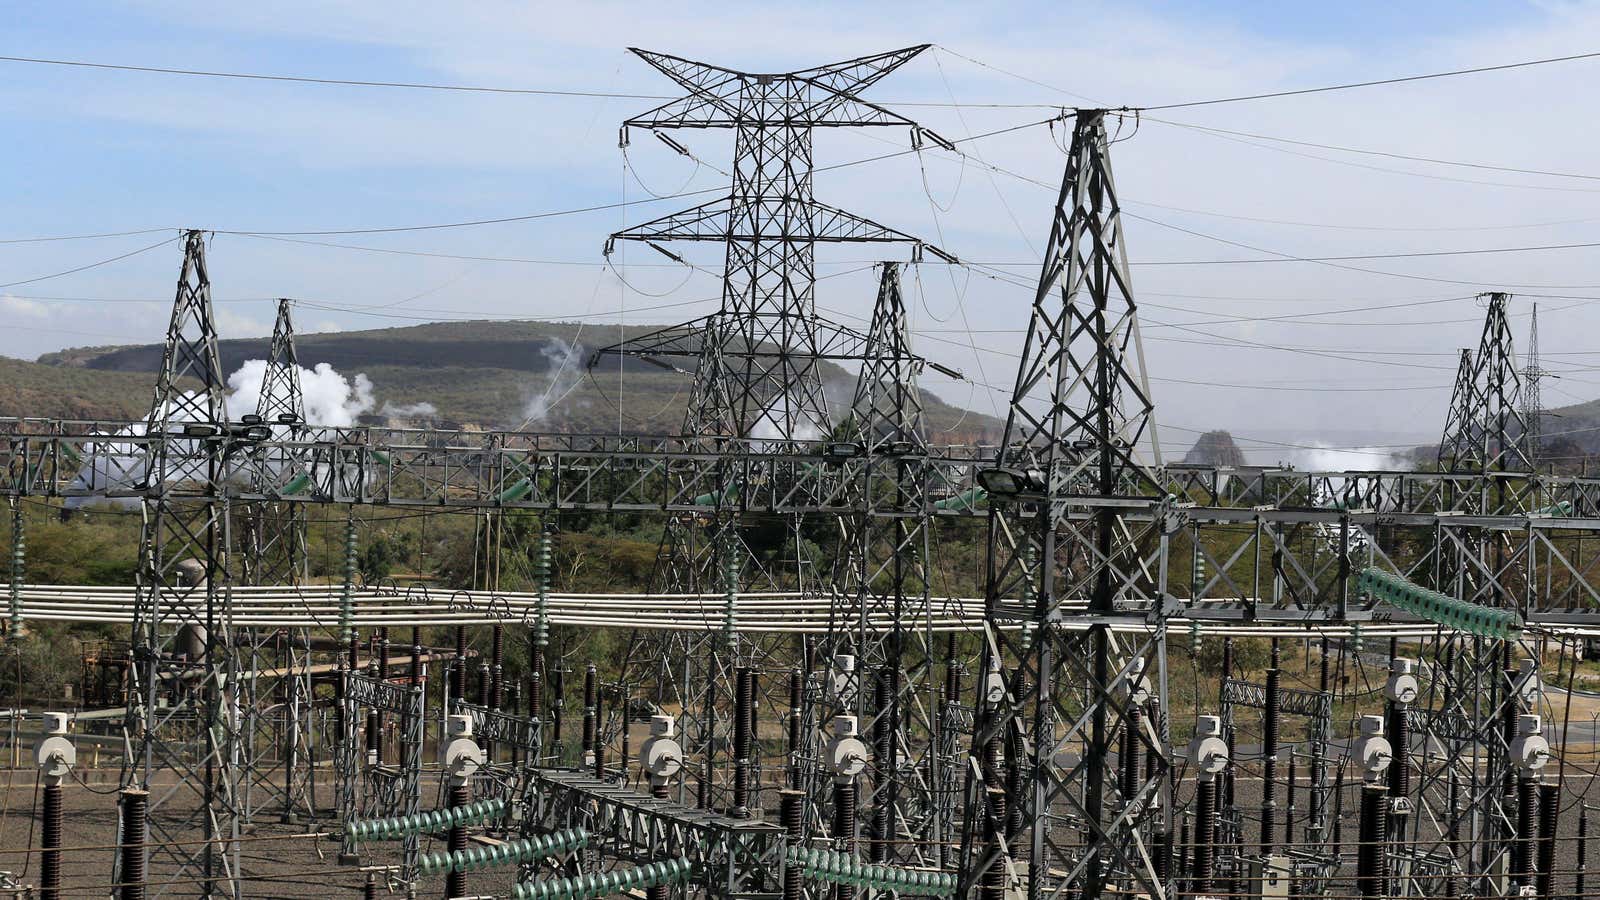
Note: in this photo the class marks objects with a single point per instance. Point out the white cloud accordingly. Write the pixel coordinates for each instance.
(17, 306)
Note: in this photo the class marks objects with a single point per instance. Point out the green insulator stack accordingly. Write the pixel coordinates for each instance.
(1357, 642)
(397, 827)
(295, 485)
(843, 868)
(968, 499)
(1194, 640)
(19, 562)
(1451, 612)
(348, 586)
(605, 884)
(507, 853)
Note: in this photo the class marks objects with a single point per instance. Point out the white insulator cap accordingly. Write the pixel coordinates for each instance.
(1402, 686)
(845, 754)
(54, 753)
(1208, 752)
(1530, 752)
(661, 756)
(1372, 749)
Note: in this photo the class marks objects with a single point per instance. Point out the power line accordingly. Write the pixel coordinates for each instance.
(1374, 83)
(1383, 153)
(305, 79)
(437, 86)
(93, 265)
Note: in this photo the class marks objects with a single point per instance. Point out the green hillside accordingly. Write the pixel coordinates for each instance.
(484, 374)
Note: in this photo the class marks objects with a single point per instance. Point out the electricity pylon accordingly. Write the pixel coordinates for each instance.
(183, 691)
(277, 706)
(1487, 429)
(1069, 561)
(881, 613)
(757, 360)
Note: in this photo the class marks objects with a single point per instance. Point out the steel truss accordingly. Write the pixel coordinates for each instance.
(881, 576)
(183, 706)
(278, 731)
(1054, 697)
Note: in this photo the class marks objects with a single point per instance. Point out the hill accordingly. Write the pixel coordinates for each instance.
(1215, 448)
(487, 374)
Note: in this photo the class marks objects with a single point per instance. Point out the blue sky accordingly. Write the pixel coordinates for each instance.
(90, 151)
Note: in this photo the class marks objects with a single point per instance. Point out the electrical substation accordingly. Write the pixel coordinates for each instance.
(824, 723)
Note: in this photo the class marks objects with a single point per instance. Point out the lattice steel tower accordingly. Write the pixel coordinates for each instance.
(183, 689)
(1077, 535)
(1487, 428)
(758, 355)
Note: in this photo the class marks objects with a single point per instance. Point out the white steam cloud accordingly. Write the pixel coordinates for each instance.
(563, 358)
(408, 410)
(331, 399)
(1351, 459)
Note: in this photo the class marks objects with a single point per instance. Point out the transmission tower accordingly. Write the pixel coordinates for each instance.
(757, 358)
(183, 686)
(881, 614)
(1487, 429)
(277, 550)
(1532, 403)
(1067, 562)
(278, 701)
(759, 353)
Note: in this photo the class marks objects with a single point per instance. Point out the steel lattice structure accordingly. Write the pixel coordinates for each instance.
(185, 689)
(1057, 695)
(1061, 749)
